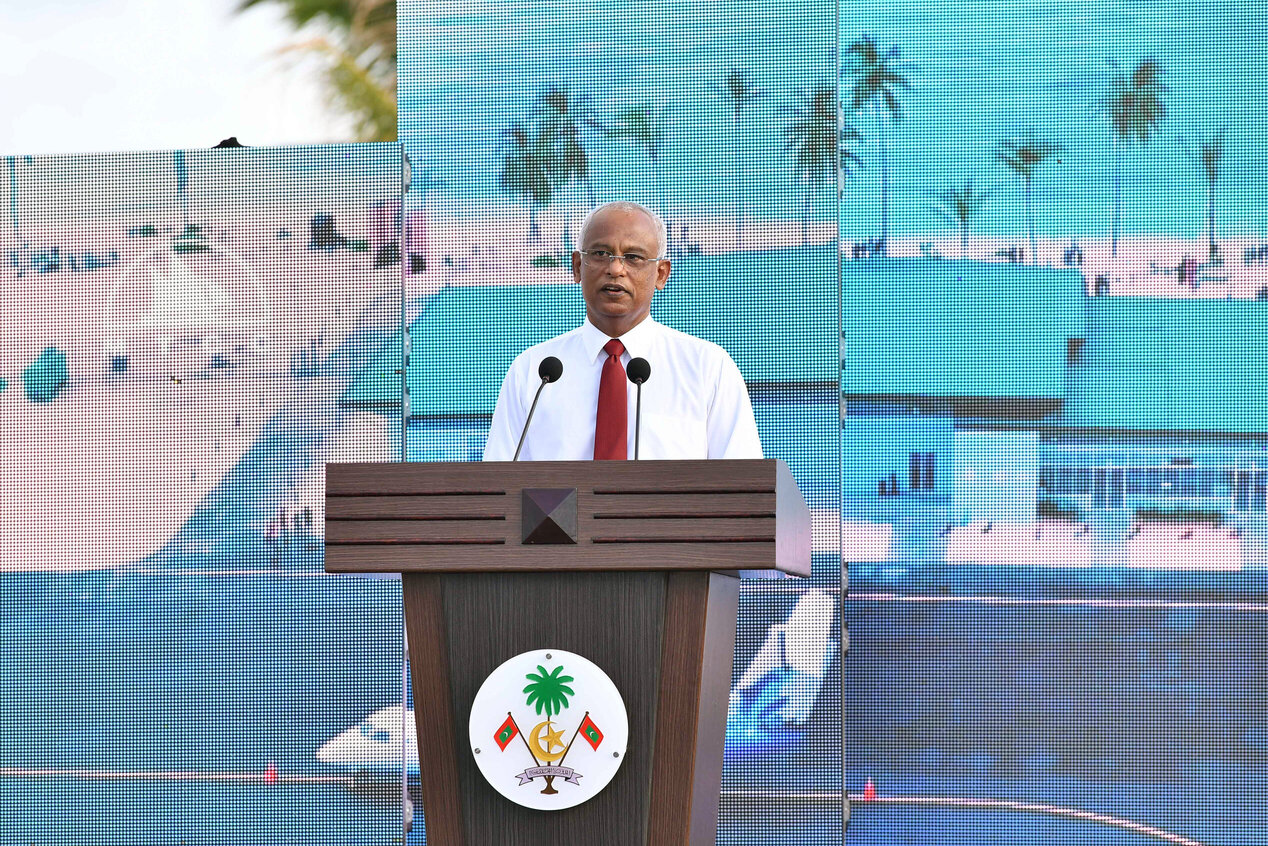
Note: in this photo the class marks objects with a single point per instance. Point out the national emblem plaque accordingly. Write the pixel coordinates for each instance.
(548, 729)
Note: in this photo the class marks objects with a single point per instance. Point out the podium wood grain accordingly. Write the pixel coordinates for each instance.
(648, 592)
(631, 515)
(697, 652)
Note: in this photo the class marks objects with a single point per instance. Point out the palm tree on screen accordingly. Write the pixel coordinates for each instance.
(877, 81)
(1210, 155)
(526, 171)
(1134, 107)
(819, 143)
(1023, 156)
(645, 128)
(359, 54)
(959, 206)
(740, 93)
(563, 117)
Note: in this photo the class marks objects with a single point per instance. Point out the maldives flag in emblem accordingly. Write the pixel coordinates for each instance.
(591, 732)
(506, 733)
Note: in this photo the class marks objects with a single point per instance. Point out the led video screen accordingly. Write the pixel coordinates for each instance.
(180, 332)
(1052, 379)
(992, 274)
(1052, 428)
(521, 120)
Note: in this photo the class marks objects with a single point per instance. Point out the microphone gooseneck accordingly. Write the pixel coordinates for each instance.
(638, 371)
(549, 370)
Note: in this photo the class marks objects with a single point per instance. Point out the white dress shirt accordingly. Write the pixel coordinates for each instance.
(695, 403)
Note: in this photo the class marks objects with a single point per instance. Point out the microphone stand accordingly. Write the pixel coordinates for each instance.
(531, 409)
(638, 370)
(638, 411)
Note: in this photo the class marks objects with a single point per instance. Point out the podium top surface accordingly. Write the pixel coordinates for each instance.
(565, 516)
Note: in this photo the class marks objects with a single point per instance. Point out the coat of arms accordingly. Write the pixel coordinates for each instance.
(559, 734)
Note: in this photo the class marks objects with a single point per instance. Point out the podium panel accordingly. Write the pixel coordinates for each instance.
(614, 619)
(631, 565)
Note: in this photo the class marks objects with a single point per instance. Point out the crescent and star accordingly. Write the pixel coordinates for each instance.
(553, 739)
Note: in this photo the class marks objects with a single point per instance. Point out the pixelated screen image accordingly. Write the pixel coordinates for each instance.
(993, 273)
(244, 316)
(180, 331)
(1052, 423)
(519, 121)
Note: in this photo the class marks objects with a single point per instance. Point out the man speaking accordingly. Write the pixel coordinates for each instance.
(694, 403)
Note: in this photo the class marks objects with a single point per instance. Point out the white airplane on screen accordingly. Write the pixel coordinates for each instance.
(373, 746)
(767, 709)
(772, 701)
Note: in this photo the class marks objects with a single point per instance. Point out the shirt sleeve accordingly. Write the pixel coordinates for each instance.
(508, 416)
(732, 427)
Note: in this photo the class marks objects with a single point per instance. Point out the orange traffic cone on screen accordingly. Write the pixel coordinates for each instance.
(869, 791)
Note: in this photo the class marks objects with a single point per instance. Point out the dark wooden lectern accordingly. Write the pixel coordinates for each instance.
(632, 564)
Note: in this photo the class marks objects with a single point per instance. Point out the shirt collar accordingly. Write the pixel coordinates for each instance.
(636, 341)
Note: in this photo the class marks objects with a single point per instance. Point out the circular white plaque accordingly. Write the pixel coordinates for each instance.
(548, 729)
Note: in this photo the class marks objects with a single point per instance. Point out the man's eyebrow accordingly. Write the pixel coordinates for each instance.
(603, 245)
(607, 246)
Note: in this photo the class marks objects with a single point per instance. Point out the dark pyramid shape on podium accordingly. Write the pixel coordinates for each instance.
(548, 515)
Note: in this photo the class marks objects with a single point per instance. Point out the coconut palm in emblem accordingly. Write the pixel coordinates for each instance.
(558, 682)
(548, 691)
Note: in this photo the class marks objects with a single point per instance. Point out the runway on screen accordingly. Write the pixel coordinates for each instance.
(860, 801)
(266, 777)
(863, 804)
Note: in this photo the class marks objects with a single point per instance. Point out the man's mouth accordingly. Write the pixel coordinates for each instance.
(613, 289)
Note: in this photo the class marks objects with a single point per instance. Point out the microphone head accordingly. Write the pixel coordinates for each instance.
(550, 369)
(638, 370)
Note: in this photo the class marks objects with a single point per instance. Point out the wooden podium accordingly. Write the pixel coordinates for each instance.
(632, 564)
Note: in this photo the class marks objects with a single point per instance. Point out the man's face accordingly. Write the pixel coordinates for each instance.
(618, 297)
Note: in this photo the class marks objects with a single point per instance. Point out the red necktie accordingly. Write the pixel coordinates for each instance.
(610, 420)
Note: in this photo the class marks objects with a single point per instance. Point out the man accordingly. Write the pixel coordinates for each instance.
(695, 404)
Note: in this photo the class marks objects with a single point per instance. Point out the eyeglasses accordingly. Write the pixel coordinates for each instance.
(602, 258)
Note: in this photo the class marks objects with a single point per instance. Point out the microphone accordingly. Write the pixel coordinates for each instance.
(638, 370)
(550, 370)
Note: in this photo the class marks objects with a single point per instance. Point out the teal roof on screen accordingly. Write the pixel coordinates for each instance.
(941, 328)
(774, 311)
(1172, 365)
(912, 327)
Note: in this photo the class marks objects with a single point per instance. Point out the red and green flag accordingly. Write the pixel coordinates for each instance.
(591, 732)
(506, 733)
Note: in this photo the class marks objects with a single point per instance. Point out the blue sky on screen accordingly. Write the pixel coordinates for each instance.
(981, 71)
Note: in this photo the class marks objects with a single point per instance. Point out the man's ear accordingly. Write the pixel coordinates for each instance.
(576, 267)
(662, 274)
